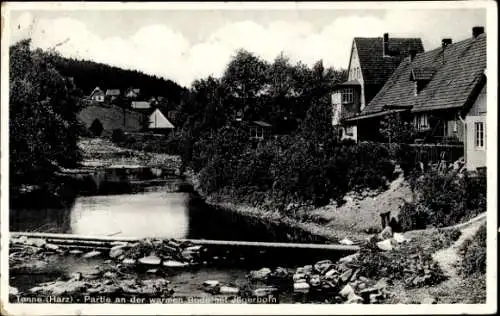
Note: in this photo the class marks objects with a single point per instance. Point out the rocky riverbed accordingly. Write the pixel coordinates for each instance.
(144, 269)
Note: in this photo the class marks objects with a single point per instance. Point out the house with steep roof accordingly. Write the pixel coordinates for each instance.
(132, 93)
(158, 122)
(372, 62)
(140, 105)
(97, 95)
(259, 130)
(444, 93)
(112, 94)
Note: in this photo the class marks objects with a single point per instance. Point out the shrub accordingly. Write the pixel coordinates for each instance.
(118, 136)
(473, 252)
(444, 200)
(444, 238)
(409, 264)
(370, 166)
(412, 216)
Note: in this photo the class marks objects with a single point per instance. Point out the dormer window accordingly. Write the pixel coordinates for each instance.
(347, 95)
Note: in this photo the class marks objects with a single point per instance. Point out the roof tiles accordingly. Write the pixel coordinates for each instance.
(458, 69)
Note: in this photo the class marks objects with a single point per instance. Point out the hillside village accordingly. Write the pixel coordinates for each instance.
(116, 110)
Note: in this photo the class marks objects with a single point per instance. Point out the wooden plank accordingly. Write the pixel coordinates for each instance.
(225, 243)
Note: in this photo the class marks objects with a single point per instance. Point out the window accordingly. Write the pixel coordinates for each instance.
(421, 122)
(347, 95)
(479, 135)
(349, 131)
(256, 133)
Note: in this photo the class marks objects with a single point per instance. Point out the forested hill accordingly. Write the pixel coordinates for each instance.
(88, 74)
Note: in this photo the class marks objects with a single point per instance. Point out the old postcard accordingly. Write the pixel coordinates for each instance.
(249, 158)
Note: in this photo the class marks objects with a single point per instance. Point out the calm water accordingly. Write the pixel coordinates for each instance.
(158, 212)
(152, 214)
(163, 214)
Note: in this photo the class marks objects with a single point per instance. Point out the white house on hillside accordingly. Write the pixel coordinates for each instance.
(158, 121)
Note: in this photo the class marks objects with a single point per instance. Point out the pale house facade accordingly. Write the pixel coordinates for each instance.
(475, 141)
(371, 63)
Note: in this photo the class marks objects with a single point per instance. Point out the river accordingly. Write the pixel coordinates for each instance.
(158, 212)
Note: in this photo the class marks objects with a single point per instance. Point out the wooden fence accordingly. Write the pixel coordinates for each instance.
(432, 153)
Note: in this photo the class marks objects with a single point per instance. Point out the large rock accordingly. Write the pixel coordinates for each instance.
(129, 261)
(346, 276)
(349, 259)
(346, 291)
(38, 242)
(346, 241)
(279, 273)
(354, 299)
(91, 254)
(302, 287)
(386, 245)
(299, 276)
(13, 290)
(265, 291)
(51, 247)
(323, 266)
(229, 290)
(117, 251)
(331, 274)
(261, 274)
(150, 260)
(315, 280)
(175, 264)
(60, 288)
(212, 286)
(399, 238)
(429, 300)
(386, 233)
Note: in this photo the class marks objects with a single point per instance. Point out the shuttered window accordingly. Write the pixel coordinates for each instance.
(479, 135)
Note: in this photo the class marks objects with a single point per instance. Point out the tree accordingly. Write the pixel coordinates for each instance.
(43, 127)
(96, 127)
(245, 78)
(396, 128)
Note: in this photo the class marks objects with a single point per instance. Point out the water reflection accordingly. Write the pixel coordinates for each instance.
(151, 214)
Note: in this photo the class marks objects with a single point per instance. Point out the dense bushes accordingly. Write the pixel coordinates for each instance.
(444, 200)
(409, 264)
(148, 143)
(287, 172)
(369, 166)
(473, 253)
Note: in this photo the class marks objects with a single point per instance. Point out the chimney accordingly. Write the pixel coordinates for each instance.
(413, 53)
(386, 44)
(445, 42)
(477, 30)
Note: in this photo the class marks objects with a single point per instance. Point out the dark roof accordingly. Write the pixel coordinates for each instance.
(354, 82)
(113, 92)
(458, 70)
(140, 105)
(375, 67)
(97, 91)
(261, 123)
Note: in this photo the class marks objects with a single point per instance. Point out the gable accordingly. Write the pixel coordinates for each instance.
(158, 120)
(354, 71)
(377, 68)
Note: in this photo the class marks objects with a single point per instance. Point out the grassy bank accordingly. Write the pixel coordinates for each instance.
(356, 219)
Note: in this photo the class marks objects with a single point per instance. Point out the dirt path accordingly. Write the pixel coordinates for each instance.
(449, 257)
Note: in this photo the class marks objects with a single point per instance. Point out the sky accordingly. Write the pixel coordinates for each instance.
(184, 45)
